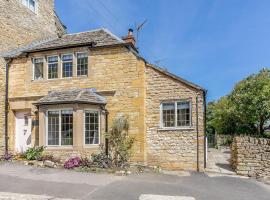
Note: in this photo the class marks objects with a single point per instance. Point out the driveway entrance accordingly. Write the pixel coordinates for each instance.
(219, 161)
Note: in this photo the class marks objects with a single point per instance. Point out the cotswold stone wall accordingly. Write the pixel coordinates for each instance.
(176, 148)
(251, 156)
(20, 26)
(115, 70)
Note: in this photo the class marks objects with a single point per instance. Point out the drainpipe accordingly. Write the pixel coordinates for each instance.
(204, 120)
(106, 130)
(197, 130)
(6, 106)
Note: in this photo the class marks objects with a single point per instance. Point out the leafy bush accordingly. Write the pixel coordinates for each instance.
(85, 162)
(72, 163)
(101, 160)
(34, 153)
(120, 143)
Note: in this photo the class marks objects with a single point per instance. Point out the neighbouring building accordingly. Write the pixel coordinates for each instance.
(21, 23)
(64, 93)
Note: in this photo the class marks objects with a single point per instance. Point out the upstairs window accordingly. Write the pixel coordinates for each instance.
(67, 65)
(38, 68)
(82, 64)
(176, 114)
(31, 4)
(52, 67)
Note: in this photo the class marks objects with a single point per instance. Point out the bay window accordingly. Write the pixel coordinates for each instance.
(176, 114)
(91, 129)
(60, 127)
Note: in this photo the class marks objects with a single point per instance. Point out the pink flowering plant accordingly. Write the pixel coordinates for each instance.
(72, 163)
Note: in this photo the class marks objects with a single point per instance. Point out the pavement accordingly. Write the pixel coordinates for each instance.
(29, 183)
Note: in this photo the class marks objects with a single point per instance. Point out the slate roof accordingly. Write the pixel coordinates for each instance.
(96, 38)
(86, 96)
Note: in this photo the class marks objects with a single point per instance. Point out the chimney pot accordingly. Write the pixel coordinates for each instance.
(130, 31)
(130, 38)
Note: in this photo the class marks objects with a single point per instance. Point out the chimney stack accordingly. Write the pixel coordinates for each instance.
(130, 38)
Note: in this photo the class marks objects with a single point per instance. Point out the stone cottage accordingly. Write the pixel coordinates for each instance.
(64, 92)
(37, 20)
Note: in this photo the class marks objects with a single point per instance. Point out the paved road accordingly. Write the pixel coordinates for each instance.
(73, 185)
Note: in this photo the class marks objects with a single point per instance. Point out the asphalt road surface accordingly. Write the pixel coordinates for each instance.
(24, 182)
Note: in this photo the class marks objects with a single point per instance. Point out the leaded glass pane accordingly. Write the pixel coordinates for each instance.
(82, 64)
(183, 114)
(66, 127)
(168, 111)
(91, 127)
(53, 127)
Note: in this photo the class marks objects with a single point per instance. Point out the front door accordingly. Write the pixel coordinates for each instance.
(23, 131)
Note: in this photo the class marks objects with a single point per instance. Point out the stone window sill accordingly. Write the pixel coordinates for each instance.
(59, 147)
(176, 129)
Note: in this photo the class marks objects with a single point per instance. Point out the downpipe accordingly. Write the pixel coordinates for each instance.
(6, 105)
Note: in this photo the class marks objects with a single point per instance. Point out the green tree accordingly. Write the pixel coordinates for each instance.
(221, 117)
(251, 100)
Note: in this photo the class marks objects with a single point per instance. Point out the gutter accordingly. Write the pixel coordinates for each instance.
(197, 131)
(6, 106)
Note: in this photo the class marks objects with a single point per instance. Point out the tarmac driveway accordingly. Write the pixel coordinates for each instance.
(22, 182)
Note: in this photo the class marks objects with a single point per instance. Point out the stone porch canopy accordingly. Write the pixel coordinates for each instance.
(72, 96)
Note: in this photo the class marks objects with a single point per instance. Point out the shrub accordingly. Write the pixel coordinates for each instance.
(34, 153)
(120, 143)
(85, 162)
(72, 163)
(101, 160)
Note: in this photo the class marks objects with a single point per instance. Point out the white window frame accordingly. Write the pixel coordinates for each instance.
(175, 113)
(58, 62)
(28, 5)
(60, 135)
(62, 62)
(76, 55)
(99, 127)
(33, 68)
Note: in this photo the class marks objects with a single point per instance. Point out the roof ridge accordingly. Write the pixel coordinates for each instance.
(89, 31)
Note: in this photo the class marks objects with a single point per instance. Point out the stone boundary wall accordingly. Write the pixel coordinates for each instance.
(251, 156)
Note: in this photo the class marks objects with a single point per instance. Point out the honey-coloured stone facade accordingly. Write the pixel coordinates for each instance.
(173, 148)
(19, 27)
(131, 88)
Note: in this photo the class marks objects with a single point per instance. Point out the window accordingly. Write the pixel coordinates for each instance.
(67, 64)
(31, 4)
(60, 121)
(176, 114)
(82, 64)
(183, 114)
(91, 128)
(38, 68)
(168, 112)
(52, 67)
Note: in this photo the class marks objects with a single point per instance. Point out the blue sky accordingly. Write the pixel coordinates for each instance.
(213, 43)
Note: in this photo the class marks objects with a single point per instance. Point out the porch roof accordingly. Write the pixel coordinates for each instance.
(82, 96)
